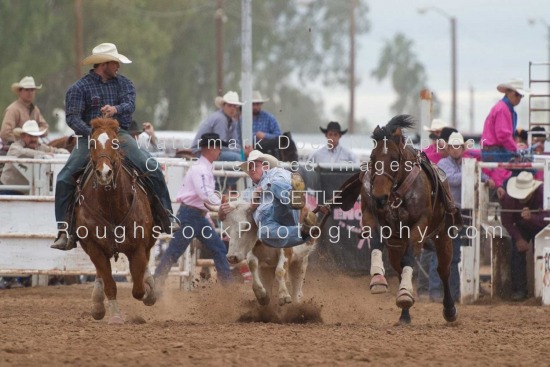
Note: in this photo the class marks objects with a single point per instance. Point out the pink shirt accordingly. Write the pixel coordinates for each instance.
(498, 128)
(198, 185)
(433, 153)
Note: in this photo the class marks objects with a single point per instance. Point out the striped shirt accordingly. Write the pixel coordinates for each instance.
(86, 97)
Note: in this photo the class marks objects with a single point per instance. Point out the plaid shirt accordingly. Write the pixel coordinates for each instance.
(85, 98)
(266, 123)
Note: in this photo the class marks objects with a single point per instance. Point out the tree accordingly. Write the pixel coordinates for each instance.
(172, 46)
(399, 63)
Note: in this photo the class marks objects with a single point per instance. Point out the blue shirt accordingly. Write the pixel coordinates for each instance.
(224, 126)
(266, 123)
(86, 97)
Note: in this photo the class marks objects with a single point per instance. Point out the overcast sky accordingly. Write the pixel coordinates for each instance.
(495, 43)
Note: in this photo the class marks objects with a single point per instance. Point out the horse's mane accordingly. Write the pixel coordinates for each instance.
(397, 122)
(104, 123)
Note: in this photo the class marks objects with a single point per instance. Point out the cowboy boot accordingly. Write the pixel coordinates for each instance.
(64, 242)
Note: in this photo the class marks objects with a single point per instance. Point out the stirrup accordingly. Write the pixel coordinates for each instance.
(64, 242)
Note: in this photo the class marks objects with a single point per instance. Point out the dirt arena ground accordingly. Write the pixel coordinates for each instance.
(344, 326)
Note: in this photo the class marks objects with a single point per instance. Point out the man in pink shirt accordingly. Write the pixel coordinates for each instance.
(497, 139)
(434, 150)
(196, 189)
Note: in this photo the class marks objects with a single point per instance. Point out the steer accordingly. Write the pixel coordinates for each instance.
(265, 263)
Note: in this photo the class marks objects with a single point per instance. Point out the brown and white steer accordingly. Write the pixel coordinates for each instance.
(266, 263)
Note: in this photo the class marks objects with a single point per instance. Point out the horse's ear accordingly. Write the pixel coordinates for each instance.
(397, 132)
(377, 128)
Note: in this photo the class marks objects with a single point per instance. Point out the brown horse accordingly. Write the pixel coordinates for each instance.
(116, 214)
(405, 203)
(65, 142)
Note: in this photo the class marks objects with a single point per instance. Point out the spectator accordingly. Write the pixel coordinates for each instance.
(497, 139)
(104, 92)
(433, 151)
(26, 146)
(265, 128)
(452, 166)
(222, 123)
(523, 218)
(277, 218)
(22, 110)
(333, 152)
(146, 138)
(197, 188)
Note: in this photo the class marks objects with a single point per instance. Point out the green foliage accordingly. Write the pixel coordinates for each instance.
(399, 63)
(173, 49)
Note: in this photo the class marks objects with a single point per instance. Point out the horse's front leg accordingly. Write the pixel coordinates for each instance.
(402, 260)
(143, 287)
(444, 250)
(104, 279)
(378, 282)
(257, 286)
(280, 274)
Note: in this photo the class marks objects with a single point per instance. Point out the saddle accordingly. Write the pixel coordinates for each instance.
(160, 216)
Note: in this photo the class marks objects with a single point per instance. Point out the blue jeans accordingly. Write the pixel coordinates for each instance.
(194, 225)
(278, 223)
(497, 154)
(430, 285)
(66, 181)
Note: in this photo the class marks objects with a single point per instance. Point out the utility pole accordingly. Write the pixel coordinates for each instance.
(246, 72)
(79, 43)
(351, 122)
(472, 113)
(219, 19)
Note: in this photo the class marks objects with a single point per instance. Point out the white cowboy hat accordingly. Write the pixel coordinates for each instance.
(229, 97)
(513, 84)
(257, 156)
(26, 83)
(521, 186)
(257, 97)
(105, 52)
(437, 124)
(30, 127)
(456, 140)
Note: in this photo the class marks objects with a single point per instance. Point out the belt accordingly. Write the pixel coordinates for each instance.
(493, 148)
(202, 212)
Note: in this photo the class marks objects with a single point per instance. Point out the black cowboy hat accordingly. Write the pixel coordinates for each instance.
(334, 126)
(212, 140)
(134, 128)
(444, 134)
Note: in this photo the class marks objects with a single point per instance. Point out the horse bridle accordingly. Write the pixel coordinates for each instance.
(396, 180)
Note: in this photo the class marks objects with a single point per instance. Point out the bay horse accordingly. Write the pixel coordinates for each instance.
(407, 205)
(116, 213)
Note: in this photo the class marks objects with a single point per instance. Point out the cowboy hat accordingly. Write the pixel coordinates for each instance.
(229, 97)
(334, 126)
(444, 134)
(522, 185)
(211, 140)
(257, 156)
(105, 52)
(257, 97)
(30, 127)
(437, 125)
(26, 83)
(513, 84)
(456, 140)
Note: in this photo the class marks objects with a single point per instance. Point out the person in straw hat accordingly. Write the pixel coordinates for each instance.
(103, 92)
(523, 218)
(274, 212)
(497, 139)
(21, 110)
(26, 145)
(223, 123)
(265, 127)
(436, 150)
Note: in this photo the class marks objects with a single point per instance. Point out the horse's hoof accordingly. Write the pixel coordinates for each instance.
(378, 284)
(404, 299)
(284, 300)
(150, 298)
(404, 321)
(264, 301)
(98, 311)
(116, 320)
(451, 314)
